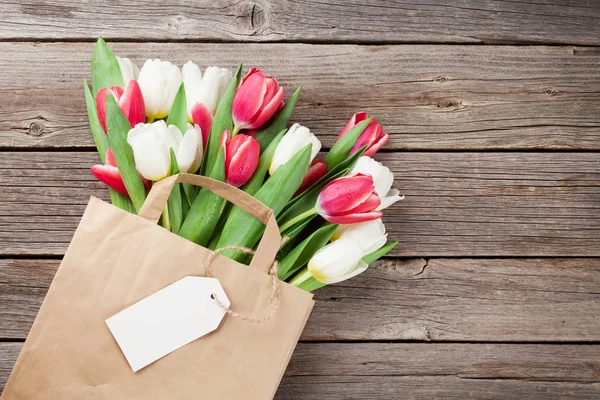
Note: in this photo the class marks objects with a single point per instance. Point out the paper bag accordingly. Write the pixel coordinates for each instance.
(116, 259)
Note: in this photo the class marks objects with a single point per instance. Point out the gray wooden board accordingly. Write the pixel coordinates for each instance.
(366, 21)
(427, 97)
(439, 299)
(405, 370)
(457, 204)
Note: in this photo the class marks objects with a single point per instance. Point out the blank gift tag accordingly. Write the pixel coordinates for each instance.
(168, 319)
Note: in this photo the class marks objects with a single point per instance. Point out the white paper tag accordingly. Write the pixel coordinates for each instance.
(168, 319)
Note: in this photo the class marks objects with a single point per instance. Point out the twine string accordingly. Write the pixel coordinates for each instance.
(275, 294)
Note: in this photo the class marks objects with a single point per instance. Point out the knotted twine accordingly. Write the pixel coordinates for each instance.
(275, 295)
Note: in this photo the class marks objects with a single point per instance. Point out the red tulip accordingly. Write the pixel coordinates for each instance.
(257, 98)
(203, 118)
(373, 135)
(110, 176)
(241, 159)
(349, 200)
(316, 171)
(130, 101)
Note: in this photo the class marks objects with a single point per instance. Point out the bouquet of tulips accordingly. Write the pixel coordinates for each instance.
(155, 122)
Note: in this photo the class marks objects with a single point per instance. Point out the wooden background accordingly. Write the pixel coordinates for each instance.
(493, 107)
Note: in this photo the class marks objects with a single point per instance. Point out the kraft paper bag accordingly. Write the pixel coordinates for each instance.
(116, 259)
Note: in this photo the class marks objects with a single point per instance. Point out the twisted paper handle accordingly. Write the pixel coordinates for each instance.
(275, 295)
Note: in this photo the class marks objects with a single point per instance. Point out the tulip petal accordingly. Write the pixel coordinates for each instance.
(188, 150)
(375, 147)
(132, 104)
(110, 158)
(242, 156)
(271, 108)
(316, 171)
(110, 176)
(358, 269)
(370, 204)
(117, 92)
(151, 150)
(392, 197)
(356, 119)
(202, 117)
(354, 218)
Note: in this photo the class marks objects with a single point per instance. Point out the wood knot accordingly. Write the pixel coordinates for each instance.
(36, 129)
(550, 92)
(174, 23)
(449, 103)
(253, 16)
(441, 79)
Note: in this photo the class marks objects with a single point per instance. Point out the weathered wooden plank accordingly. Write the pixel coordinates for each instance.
(438, 299)
(427, 97)
(457, 204)
(365, 21)
(451, 371)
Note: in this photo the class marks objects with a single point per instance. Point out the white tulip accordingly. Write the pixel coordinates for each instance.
(296, 138)
(206, 90)
(383, 179)
(159, 81)
(129, 70)
(369, 235)
(338, 261)
(151, 144)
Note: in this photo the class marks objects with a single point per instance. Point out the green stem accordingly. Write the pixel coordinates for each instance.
(301, 277)
(297, 218)
(165, 218)
(236, 130)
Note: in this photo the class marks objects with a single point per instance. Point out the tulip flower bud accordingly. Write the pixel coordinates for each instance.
(257, 98)
(383, 179)
(295, 139)
(338, 261)
(316, 171)
(241, 159)
(151, 144)
(159, 82)
(129, 70)
(373, 136)
(130, 100)
(348, 200)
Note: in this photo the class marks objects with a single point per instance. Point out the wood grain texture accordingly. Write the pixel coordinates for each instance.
(415, 371)
(427, 97)
(363, 21)
(439, 299)
(457, 204)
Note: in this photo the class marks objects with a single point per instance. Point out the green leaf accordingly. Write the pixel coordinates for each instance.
(340, 150)
(222, 121)
(178, 114)
(97, 132)
(206, 209)
(118, 127)
(275, 194)
(264, 161)
(123, 202)
(377, 254)
(308, 199)
(311, 284)
(174, 202)
(303, 252)
(267, 134)
(106, 71)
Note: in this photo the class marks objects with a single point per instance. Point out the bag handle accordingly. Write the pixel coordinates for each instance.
(271, 240)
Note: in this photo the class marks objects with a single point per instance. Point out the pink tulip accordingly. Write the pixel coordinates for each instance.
(257, 98)
(316, 171)
(241, 159)
(349, 200)
(373, 135)
(130, 102)
(202, 117)
(110, 176)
